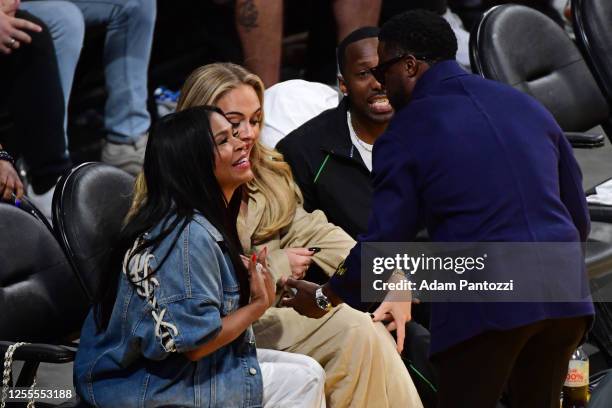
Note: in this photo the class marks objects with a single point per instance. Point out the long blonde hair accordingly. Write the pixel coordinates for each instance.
(273, 177)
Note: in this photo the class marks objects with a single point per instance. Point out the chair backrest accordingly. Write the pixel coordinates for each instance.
(592, 21)
(40, 296)
(527, 50)
(89, 206)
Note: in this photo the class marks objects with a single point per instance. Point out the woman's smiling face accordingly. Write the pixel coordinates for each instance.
(243, 109)
(232, 165)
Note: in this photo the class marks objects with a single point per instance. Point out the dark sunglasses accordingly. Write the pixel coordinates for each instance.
(380, 71)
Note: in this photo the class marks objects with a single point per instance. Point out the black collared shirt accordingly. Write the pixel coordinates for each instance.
(329, 169)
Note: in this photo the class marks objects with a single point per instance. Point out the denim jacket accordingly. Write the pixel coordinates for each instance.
(139, 360)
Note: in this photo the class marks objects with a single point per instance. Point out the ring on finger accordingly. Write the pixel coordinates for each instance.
(12, 42)
(259, 268)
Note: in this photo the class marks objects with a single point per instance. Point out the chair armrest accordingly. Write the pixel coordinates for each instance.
(600, 213)
(44, 353)
(584, 140)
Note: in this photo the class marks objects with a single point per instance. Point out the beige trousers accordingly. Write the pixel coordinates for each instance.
(362, 366)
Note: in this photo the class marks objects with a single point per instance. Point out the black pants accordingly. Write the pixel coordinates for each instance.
(530, 362)
(32, 93)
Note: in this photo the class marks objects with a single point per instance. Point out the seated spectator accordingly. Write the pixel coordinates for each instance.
(359, 357)
(129, 35)
(290, 104)
(33, 95)
(331, 155)
(172, 321)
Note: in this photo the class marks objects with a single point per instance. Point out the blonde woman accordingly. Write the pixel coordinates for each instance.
(359, 356)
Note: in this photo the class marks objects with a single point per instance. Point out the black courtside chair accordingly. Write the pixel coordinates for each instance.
(41, 301)
(89, 206)
(524, 48)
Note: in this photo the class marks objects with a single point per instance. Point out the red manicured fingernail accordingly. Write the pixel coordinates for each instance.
(254, 257)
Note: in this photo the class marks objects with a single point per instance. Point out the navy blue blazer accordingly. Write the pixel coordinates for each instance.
(472, 160)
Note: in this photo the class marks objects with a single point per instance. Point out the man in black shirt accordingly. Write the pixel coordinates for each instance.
(330, 155)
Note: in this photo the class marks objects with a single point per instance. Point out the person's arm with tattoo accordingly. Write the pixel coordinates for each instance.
(260, 28)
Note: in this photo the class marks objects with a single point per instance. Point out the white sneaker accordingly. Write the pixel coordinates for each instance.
(42, 201)
(127, 157)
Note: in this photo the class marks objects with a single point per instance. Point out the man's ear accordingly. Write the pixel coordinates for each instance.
(411, 65)
(342, 85)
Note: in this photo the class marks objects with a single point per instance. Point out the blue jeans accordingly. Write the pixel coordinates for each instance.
(129, 35)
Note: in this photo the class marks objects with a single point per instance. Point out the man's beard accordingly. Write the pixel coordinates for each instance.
(398, 99)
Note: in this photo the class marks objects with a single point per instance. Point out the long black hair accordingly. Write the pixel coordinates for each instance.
(179, 175)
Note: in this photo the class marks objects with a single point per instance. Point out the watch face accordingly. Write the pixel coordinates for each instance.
(322, 303)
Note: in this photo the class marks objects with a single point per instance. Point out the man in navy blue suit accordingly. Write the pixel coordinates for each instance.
(472, 161)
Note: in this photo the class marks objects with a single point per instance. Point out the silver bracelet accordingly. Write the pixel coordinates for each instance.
(4, 155)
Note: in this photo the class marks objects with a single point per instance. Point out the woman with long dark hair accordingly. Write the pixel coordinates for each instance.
(171, 325)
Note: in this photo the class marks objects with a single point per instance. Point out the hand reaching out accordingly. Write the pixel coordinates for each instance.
(397, 310)
(398, 314)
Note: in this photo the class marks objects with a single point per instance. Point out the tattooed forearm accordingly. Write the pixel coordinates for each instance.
(247, 13)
